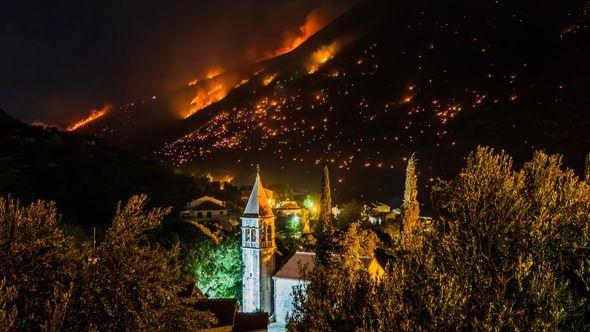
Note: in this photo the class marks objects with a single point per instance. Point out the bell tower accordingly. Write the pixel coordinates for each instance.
(258, 251)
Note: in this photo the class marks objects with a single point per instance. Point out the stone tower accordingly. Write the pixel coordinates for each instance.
(258, 251)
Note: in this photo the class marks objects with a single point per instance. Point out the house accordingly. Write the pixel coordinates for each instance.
(205, 209)
(289, 208)
(290, 276)
(378, 213)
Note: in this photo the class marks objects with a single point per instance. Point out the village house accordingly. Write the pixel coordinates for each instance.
(288, 208)
(205, 209)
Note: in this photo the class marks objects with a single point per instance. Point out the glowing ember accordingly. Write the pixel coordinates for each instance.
(94, 114)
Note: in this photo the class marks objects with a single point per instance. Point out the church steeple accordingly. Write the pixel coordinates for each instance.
(258, 202)
(258, 249)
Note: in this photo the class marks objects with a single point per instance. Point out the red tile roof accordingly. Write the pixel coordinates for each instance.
(305, 260)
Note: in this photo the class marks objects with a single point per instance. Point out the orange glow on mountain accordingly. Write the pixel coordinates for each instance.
(214, 72)
(94, 114)
(205, 97)
(269, 79)
(211, 73)
(323, 55)
(213, 90)
(314, 22)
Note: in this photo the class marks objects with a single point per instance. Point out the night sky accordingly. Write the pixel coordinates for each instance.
(59, 59)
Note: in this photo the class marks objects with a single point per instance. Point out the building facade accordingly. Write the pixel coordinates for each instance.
(262, 288)
(258, 251)
(205, 209)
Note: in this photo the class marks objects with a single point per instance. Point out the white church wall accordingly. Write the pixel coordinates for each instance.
(283, 297)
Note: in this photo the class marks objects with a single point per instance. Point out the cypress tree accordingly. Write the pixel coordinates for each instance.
(410, 206)
(324, 229)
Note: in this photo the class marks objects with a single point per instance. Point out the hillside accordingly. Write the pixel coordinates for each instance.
(382, 81)
(85, 177)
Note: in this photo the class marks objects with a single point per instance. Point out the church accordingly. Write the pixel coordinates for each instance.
(264, 288)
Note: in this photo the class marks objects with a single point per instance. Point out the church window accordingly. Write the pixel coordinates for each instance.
(254, 235)
(247, 234)
(262, 234)
(269, 233)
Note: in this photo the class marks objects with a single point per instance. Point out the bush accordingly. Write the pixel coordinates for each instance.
(507, 249)
(126, 282)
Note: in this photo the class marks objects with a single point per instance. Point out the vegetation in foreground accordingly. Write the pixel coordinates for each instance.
(126, 281)
(507, 249)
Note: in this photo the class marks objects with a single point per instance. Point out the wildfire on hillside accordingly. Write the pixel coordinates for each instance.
(323, 55)
(314, 22)
(213, 90)
(94, 114)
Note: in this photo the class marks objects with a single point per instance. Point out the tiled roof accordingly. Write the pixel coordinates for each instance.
(208, 206)
(255, 321)
(305, 260)
(223, 309)
(289, 206)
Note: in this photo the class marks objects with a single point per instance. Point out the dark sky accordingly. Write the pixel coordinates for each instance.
(59, 59)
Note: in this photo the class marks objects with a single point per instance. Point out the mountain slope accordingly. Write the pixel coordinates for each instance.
(390, 78)
(85, 177)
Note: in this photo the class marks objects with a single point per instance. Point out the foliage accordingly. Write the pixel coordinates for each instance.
(410, 211)
(349, 213)
(341, 282)
(357, 241)
(308, 202)
(507, 250)
(218, 268)
(283, 190)
(587, 168)
(324, 230)
(294, 226)
(127, 282)
(34, 260)
(7, 309)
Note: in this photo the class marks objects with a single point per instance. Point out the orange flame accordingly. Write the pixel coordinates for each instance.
(211, 73)
(315, 20)
(323, 55)
(94, 114)
(269, 79)
(212, 91)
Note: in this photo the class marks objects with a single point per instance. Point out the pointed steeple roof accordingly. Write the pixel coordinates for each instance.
(258, 202)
